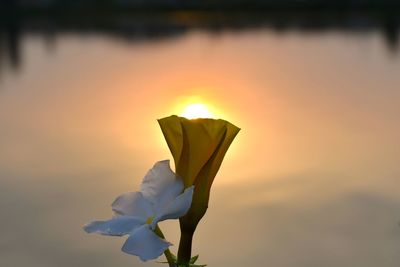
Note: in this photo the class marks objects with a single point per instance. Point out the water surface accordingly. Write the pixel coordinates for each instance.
(311, 180)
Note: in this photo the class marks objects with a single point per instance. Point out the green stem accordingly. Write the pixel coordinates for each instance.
(169, 257)
(185, 247)
(167, 252)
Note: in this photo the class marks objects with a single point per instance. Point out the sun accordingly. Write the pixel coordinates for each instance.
(195, 111)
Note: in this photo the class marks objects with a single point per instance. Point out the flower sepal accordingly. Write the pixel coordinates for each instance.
(192, 262)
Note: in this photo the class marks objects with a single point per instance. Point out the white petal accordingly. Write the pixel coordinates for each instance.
(168, 195)
(176, 208)
(117, 226)
(143, 242)
(157, 180)
(133, 204)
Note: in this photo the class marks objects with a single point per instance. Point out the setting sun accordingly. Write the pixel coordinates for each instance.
(195, 111)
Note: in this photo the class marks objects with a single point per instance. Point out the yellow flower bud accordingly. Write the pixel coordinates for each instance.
(198, 147)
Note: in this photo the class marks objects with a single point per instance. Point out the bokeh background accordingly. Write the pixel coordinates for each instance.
(311, 180)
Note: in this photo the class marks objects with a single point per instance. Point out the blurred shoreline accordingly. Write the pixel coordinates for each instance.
(152, 24)
(173, 5)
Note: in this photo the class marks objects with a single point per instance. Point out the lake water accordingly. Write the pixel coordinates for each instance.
(311, 180)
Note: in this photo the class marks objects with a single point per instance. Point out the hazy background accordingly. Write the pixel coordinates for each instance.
(312, 179)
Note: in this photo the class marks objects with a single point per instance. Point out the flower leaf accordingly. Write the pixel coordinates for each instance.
(191, 265)
(193, 259)
(174, 257)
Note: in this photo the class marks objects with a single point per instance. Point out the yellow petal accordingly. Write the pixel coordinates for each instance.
(172, 130)
(192, 143)
(205, 179)
(201, 138)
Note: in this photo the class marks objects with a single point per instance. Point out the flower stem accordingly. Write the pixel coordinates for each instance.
(185, 247)
(169, 257)
(167, 253)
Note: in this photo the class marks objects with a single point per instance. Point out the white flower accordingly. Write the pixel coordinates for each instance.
(137, 213)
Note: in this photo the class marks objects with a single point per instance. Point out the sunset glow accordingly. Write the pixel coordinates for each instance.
(195, 111)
